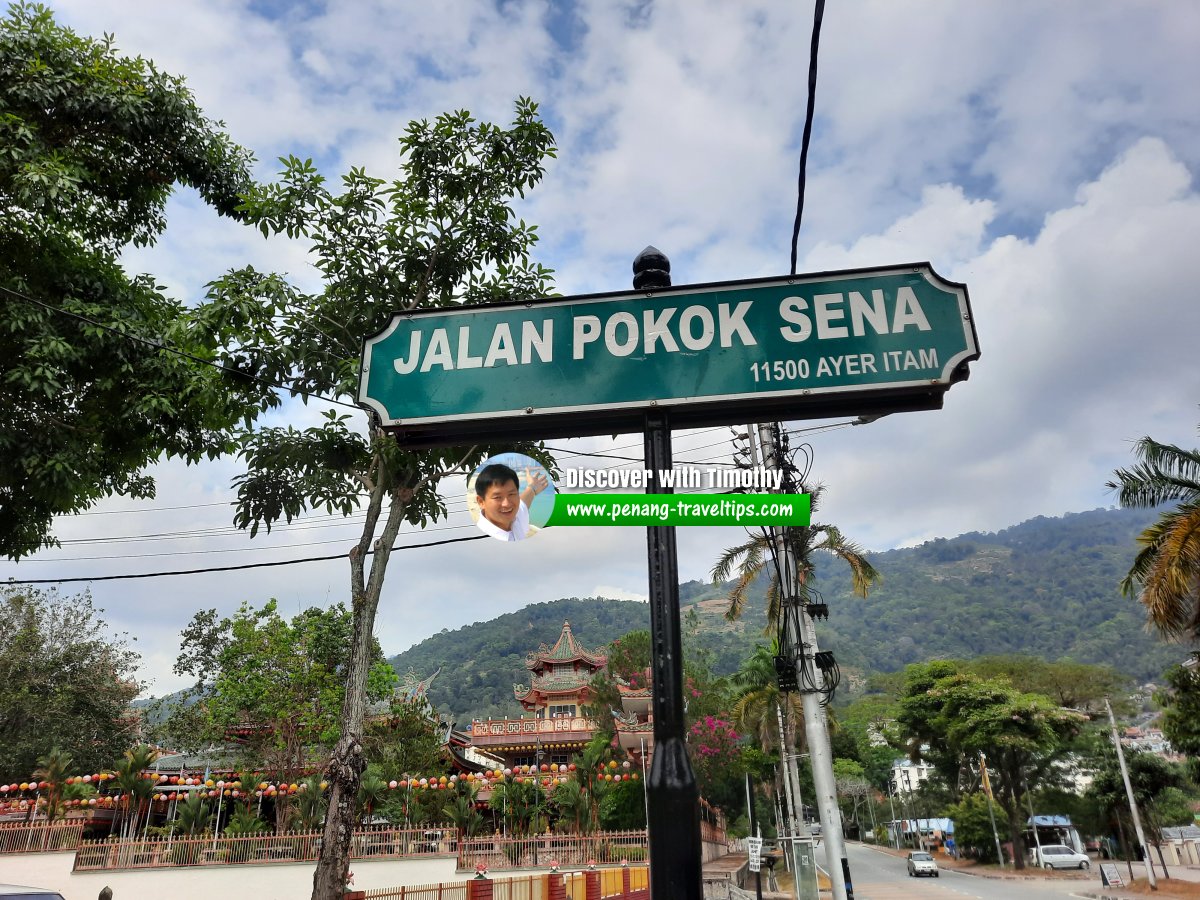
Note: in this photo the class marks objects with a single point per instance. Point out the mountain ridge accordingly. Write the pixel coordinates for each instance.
(1047, 586)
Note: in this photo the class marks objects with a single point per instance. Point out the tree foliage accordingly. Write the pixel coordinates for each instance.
(1181, 717)
(93, 145)
(442, 234)
(949, 717)
(64, 682)
(280, 685)
(1165, 575)
(407, 737)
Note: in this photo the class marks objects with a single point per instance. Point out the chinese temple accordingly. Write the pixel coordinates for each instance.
(554, 728)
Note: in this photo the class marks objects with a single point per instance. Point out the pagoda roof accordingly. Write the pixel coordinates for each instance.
(557, 683)
(565, 649)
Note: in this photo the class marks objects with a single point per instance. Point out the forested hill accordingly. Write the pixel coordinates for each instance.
(1047, 587)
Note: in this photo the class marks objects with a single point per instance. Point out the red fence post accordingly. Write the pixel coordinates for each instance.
(479, 889)
(556, 889)
(591, 885)
(625, 886)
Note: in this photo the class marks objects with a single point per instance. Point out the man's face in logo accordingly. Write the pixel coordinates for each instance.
(500, 504)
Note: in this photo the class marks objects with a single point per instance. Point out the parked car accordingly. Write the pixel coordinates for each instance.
(1060, 856)
(16, 892)
(921, 863)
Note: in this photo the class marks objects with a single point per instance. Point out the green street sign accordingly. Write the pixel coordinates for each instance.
(867, 341)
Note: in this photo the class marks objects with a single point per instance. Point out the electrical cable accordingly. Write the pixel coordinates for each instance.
(818, 16)
(258, 565)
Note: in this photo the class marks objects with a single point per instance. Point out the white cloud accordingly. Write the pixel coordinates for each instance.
(618, 593)
(1043, 154)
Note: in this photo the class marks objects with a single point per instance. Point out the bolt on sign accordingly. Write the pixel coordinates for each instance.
(859, 342)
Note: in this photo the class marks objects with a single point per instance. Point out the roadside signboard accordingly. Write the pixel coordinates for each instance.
(754, 851)
(1110, 875)
(859, 342)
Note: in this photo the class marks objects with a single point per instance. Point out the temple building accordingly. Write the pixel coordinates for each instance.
(554, 729)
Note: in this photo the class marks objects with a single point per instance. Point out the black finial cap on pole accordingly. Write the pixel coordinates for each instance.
(651, 270)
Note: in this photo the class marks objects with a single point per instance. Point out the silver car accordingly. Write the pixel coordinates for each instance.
(921, 863)
(1060, 856)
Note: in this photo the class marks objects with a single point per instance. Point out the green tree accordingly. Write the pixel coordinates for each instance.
(308, 812)
(623, 807)
(1165, 574)
(973, 827)
(460, 810)
(244, 820)
(194, 815)
(950, 716)
(407, 737)
(443, 234)
(572, 805)
(94, 144)
(136, 788)
(1154, 781)
(1181, 716)
(372, 791)
(520, 803)
(629, 655)
(281, 683)
(53, 768)
(64, 682)
(1070, 684)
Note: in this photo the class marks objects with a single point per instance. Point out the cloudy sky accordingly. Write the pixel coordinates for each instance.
(1043, 153)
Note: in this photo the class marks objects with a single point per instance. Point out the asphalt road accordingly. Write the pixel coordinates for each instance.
(880, 876)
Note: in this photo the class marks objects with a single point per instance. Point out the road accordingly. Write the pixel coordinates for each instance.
(880, 876)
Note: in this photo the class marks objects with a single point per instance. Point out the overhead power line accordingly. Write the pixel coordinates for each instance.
(258, 565)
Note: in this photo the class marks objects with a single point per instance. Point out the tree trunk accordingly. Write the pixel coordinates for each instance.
(348, 761)
(1014, 834)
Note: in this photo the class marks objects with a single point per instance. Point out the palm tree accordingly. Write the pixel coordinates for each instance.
(751, 559)
(193, 815)
(371, 790)
(52, 769)
(136, 787)
(1165, 574)
(573, 804)
(758, 701)
(460, 810)
(309, 811)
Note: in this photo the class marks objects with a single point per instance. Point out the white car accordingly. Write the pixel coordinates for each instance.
(921, 863)
(1060, 856)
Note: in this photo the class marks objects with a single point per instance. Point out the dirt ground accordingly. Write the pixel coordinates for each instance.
(1168, 887)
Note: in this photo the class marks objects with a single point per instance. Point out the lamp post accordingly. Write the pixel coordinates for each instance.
(673, 820)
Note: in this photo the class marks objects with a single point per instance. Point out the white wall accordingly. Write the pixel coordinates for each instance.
(274, 881)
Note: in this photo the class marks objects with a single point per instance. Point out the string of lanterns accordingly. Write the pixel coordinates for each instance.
(547, 774)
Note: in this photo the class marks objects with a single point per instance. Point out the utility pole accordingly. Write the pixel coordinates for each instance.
(987, 789)
(799, 858)
(1133, 810)
(815, 724)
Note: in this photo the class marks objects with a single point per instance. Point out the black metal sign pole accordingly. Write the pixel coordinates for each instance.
(673, 816)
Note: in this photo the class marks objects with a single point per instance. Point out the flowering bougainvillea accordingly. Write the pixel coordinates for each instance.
(713, 744)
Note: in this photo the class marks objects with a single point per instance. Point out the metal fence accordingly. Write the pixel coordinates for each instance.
(530, 887)
(569, 851)
(249, 849)
(452, 891)
(40, 837)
